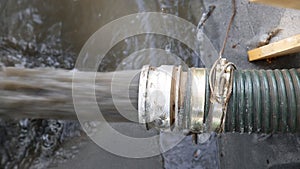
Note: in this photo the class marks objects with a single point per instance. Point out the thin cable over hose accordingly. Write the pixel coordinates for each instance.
(220, 82)
(228, 28)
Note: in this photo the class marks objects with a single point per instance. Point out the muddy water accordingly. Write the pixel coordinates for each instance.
(36, 33)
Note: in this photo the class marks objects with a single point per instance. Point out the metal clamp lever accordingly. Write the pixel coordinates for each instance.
(220, 81)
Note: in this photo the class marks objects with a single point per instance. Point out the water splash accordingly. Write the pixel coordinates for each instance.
(42, 34)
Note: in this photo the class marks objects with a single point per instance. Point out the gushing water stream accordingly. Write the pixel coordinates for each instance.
(51, 34)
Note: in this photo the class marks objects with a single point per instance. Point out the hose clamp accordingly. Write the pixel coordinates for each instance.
(221, 82)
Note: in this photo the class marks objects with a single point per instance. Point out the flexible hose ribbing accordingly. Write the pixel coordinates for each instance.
(264, 101)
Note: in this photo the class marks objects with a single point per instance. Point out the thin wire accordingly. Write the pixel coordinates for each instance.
(228, 28)
(221, 80)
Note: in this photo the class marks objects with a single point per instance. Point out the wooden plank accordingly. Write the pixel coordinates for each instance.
(282, 47)
(295, 4)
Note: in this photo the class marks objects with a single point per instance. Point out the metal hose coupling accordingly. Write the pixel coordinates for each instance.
(172, 99)
(199, 100)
